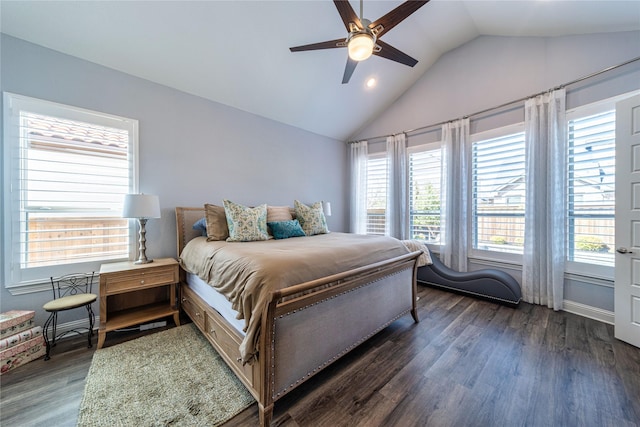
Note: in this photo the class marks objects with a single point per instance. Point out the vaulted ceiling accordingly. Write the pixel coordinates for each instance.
(237, 52)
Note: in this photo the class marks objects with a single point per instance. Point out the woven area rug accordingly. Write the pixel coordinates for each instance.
(173, 377)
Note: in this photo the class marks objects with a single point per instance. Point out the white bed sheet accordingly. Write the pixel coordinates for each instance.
(215, 300)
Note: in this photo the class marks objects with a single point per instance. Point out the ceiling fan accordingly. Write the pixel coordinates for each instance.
(363, 39)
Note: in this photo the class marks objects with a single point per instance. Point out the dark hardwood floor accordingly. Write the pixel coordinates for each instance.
(467, 363)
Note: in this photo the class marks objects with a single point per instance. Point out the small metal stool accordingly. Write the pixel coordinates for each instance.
(69, 292)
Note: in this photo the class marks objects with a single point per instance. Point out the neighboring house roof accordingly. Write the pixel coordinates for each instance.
(588, 186)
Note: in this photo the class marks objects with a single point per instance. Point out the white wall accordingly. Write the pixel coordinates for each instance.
(491, 71)
(192, 150)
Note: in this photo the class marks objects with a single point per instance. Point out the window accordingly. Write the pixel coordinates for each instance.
(498, 185)
(377, 182)
(424, 193)
(67, 171)
(591, 187)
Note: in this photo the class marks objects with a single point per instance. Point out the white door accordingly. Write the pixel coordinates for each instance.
(627, 276)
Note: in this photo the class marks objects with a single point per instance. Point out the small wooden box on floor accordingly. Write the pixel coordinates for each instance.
(21, 341)
(131, 294)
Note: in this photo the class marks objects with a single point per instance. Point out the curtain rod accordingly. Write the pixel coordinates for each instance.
(506, 104)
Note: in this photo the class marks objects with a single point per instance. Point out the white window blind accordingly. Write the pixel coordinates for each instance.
(70, 169)
(591, 189)
(424, 193)
(377, 182)
(499, 193)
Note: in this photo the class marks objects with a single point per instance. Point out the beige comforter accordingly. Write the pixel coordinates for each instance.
(245, 272)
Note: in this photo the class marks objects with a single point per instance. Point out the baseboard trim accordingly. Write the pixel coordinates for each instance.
(584, 310)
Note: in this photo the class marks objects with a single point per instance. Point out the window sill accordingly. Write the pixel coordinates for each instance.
(591, 279)
(29, 288)
(505, 259)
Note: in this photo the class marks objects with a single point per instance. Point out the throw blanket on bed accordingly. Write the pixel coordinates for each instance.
(419, 245)
(245, 272)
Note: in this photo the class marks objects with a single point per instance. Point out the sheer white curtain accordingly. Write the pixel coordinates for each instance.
(397, 215)
(358, 152)
(454, 215)
(545, 206)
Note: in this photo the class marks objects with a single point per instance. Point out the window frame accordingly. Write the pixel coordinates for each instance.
(578, 268)
(373, 158)
(431, 146)
(16, 279)
(484, 254)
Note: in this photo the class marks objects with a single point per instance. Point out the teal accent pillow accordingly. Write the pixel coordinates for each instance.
(246, 224)
(311, 218)
(286, 229)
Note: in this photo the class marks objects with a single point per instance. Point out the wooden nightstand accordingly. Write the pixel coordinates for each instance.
(131, 294)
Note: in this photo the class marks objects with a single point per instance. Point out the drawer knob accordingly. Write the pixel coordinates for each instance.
(197, 314)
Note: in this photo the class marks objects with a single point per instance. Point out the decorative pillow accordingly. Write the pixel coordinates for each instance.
(216, 219)
(311, 218)
(278, 213)
(286, 229)
(201, 226)
(246, 224)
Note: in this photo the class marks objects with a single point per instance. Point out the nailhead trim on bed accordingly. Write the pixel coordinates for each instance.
(337, 356)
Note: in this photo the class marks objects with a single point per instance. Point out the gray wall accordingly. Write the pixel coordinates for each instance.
(491, 71)
(192, 150)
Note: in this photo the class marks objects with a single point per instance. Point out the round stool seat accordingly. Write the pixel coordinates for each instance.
(69, 302)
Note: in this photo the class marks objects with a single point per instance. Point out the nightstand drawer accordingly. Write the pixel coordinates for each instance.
(132, 280)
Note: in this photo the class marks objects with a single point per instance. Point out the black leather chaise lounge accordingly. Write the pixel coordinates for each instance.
(488, 283)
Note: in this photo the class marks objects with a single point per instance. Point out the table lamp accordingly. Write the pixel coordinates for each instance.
(326, 208)
(142, 207)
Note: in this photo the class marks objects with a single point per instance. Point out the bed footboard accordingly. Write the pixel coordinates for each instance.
(304, 340)
(308, 333)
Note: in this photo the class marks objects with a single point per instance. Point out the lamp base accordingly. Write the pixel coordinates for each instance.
(142, 248)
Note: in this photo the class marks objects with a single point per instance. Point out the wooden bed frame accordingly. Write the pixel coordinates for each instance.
(306, 327)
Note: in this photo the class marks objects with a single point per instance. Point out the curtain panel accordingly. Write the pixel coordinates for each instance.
(454, 206)
(397, 214)
(358, 182)
(545, 203)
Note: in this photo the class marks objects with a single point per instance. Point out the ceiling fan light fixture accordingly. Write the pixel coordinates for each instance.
(361, 46)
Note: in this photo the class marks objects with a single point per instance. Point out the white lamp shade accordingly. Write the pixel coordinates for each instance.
(360, 47)
(326, 207)
(141, 206)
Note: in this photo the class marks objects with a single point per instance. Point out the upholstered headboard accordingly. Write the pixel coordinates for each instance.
(185, 218)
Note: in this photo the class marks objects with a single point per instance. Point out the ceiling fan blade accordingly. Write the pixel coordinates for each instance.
(394, 54)
(348, 70)
(397, 15)
(347, 14)
(322, 45)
